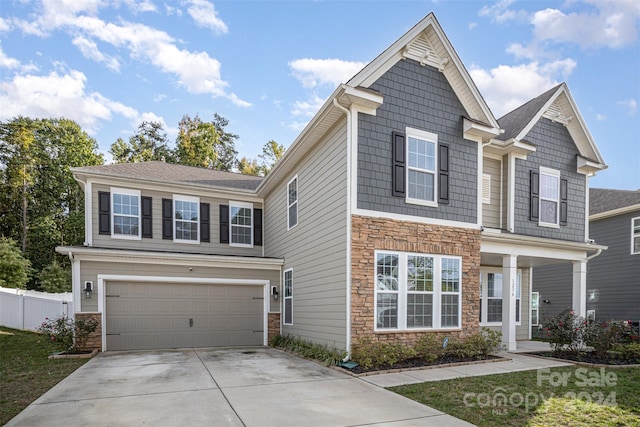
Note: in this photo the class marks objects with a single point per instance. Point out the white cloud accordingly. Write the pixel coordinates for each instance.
(141, 6)
(204, 14)
(313, 72)
(296, 126)
(60, 95)
(197, 72)
(501, 13)
(601, 117)
(631, 105)
(89, 49)
(172, 10)
(159, 97)
(4, 25)
(7, 61)
(472, 25)
(307, 108)
(613, 25)
(508, 87)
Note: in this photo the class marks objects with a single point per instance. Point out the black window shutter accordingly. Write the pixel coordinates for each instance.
(204, 222)
(147, 220)
(257, 227)
(224, 224)
(443, 173)
(398, 163)
(167, 218)
(104, 212)
(534, 195)
(563, 201)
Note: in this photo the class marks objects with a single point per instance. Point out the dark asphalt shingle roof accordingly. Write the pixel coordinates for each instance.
(518, 119)
(173, 173)
(604, 200)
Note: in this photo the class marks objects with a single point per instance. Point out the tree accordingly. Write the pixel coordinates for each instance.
(148, 143)
(55, 278)
(206, 144)
(41, 205)
(14, 268)
(271, 153)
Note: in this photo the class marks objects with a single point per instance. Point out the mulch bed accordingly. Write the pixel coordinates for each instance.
(588, 357)
(413, 364)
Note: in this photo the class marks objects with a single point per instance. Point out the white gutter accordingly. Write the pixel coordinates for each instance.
(598, 252)
(348, 266)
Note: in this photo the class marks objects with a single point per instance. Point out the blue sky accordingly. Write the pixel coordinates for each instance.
(267, 66)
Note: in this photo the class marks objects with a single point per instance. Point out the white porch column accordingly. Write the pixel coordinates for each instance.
(509, 277)
(579, 304)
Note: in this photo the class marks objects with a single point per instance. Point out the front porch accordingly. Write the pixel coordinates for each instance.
(512, 253)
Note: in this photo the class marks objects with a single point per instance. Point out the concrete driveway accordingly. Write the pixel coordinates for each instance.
(220, 387)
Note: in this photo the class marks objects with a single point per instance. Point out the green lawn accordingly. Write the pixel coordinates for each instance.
(568, 396)
(25, 371)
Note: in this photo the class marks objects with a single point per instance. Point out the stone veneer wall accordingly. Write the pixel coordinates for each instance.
(94, 340)
(273, 326)
(370, 234)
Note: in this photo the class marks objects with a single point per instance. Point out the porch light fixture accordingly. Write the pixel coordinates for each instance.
(88, 289)
(274, 292)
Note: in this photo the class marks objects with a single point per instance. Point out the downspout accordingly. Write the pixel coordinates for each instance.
(348, 266)
(598, 252)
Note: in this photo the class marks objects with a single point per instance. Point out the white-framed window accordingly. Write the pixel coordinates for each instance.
(549, 197)
(288, 296)
(535, 308)
(491, 293)
(292, 203)
(421, 167)
(186, 219)
(635, 235)
(241, 224)
(417, 291)
(125, 214)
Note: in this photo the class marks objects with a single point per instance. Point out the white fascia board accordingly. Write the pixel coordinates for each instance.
(615, 212)
(589, 167)
(479, 132)
(170, 258)
(415, 219)
(523, 133)
(168, 187)
(518, 148)
(520, 245)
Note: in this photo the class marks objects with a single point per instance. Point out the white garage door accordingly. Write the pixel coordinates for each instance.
(141, 315)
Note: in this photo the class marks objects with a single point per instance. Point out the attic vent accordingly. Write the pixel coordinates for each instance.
(422, 51)
(555, 114)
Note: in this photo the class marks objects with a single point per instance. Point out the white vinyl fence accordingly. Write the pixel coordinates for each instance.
(21, 309)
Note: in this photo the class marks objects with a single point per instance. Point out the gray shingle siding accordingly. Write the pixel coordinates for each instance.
(556, 150)
(421, 98)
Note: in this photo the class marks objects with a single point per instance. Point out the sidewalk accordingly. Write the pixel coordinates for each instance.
(519, 362)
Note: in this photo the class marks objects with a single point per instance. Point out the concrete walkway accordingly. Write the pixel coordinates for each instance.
(242, 387)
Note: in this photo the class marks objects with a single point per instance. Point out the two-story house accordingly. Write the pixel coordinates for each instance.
(613, 280)
(403, 208)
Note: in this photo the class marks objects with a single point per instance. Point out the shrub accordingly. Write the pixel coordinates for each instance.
(55, 278)
(14, 267)
(564, 331)
(321, 353)
(429, 348)
(629, 352)
(602, 336)
(375, 355)
(68, 335)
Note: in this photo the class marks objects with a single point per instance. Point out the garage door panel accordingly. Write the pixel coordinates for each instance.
(157, 315)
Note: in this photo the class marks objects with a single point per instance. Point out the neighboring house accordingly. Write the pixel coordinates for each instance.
(404, 208)
(613, 280)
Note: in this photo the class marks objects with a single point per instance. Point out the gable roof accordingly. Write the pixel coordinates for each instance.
(157, 171)
(604, 202)
(556, 104)
(427, 43)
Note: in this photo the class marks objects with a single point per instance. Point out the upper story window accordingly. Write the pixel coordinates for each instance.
(292, 203)
(549, 197)
(186, 218)
(241, 224)
(421, 167)
(125, 213)
(635, 235)
(417, 291)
